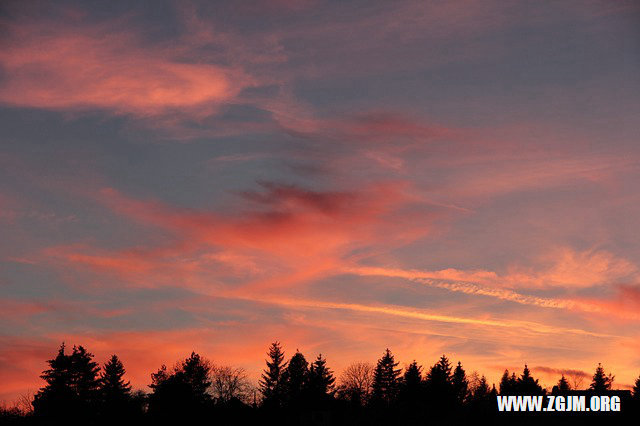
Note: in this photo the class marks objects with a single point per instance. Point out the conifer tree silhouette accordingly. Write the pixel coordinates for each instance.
(321, 382)
(58, 396)
(411, 393)
(272, 383)
(439, 385)
(183, 392)
(636, 389)
(385, 380)
(460, 384)
(115, 393)
(72, 386)
(527, 385)
(296, 378)
(85, 374)
(482, 391)
(601, 381)
(411, 387)
(508, 383)
(196, 373)
(561, 387)
(112, 384)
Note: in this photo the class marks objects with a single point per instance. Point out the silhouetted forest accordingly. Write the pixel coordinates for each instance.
(296, 391)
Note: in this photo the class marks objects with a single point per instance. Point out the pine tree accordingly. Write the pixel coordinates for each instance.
(385, 380)
(439, 378)
(460, 384)
(183, 392)
(115, 393)
(527, 385)
(57, 396)
(411, 385)
(321, 381)
(482, 391)
(112, 385)
(562, 387)
(272, 382)
(85, 373)
(295, 378)
(72, 385)
(158, 378)
(636, 389)
(601, 381)
(508, 383)
(196, 372)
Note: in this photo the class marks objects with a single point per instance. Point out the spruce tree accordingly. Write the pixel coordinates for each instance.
(636, 389)
(195, 371)
(385, 380)
(482, 390)
(85, 374)
(508, 383)
(439, 385)
(112, 384)
(295, 378)
(527, 385)
(411, 385)
(72, 386)
(460, 384)
(57, 396)
(504, 383)
(115, 393)
(601, 381)
(272, 382)
(321, 381)
(561, 387)
(182, 392)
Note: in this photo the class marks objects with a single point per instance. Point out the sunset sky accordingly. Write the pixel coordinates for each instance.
(456, 177)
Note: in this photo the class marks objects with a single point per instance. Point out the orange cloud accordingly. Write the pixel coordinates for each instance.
(78, 67)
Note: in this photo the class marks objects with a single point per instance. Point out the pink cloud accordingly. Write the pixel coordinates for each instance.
(78, 67)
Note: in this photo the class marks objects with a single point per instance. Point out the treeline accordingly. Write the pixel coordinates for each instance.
(291, 391)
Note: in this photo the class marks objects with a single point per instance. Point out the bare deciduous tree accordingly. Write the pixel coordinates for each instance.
(575, 379)
(229, 383)
(25, 402)
(356, 381)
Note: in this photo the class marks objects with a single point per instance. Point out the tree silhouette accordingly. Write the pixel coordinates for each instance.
(72, 385)
(196, 373)
(321, 382)
(182, 393)
(411, 385)
(601, 382)
(355, 383)
(636, 389)
(295, 378)
(385, 380)
(527, 385)
(439, 386)
(229, 384)
(272, 383)
(302, 392)
(58, 396)
(482, 390)
(481, 398)
(460, 384)
(562, 386)
(85, 373)
(508, 383)
(115, 393)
